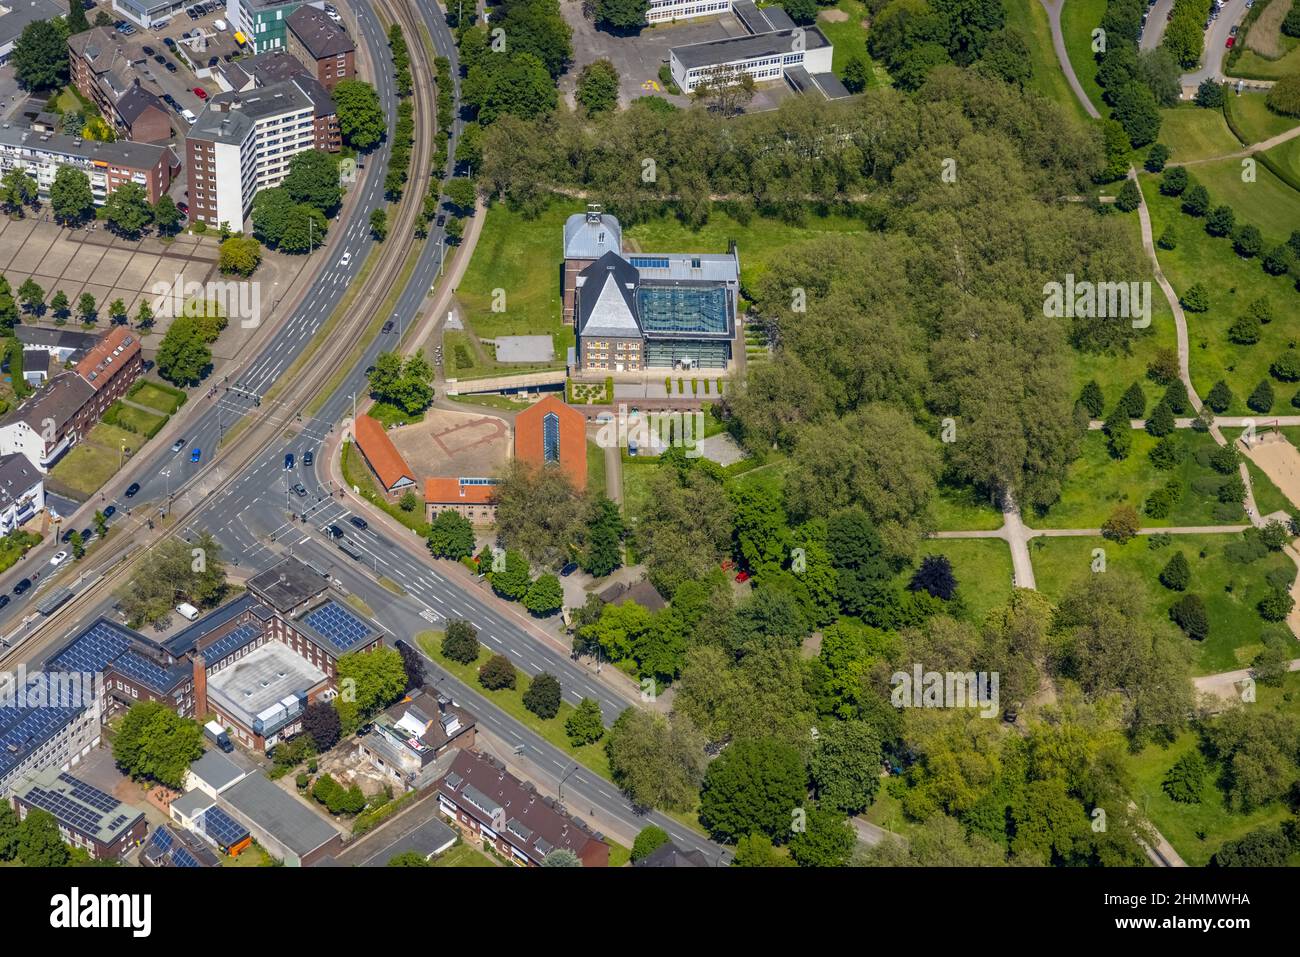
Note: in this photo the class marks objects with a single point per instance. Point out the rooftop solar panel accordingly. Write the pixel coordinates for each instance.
(335, 624)
(223, 828)
(228, 644)
(183, 858)
(161, 839)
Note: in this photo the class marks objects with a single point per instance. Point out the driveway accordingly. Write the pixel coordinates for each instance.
(1215, 50)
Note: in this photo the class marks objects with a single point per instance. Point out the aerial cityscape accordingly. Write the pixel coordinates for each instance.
(649, 433)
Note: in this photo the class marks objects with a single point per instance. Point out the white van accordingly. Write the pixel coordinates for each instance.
(188, 611)
(220, 25)
(189, 116)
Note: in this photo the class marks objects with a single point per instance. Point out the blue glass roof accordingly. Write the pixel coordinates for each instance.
(681, 309)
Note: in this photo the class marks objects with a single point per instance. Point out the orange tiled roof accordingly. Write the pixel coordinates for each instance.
(573, 438)
(111, 353)
(380, 452)
(450, 490)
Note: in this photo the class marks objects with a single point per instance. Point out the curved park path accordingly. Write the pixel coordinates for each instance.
(1053, 8)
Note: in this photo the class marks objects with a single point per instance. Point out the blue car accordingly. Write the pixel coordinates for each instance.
(196, 455)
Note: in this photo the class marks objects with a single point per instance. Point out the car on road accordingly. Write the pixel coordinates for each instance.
(333, 531)
(308, 457)
(201, 93)
(110, 511)
(299, 490)
(4, 600)
(196, 454)
(288, 461)
(22, 586)
(67, 536)
(169, 43)
(388, 327)
(345, 259)
(171, 67)
(1233, 31)
(188, 115)
(59, 558)
(1231, 42)
(184, 208)
(132, 489)
(359, 522)
(87, 534)
(178, 445)
(442, 220)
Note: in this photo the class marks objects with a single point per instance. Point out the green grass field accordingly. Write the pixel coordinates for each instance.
(1195, 830)
(595, 468)
(1096, 484)
(1255, 120)
(1252, 66)
(1233, 283)
(150, 394)
(1193, 133)
(982, 567)
(961, 508)
(1078, 19)
(1230, 590)
(1046, 77)
(848, 36)
(138, 420)
(1287, 157)
(1267, 202)
(463, 855)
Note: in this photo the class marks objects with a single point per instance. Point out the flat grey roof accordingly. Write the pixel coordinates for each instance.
(288, 584)
(261, 679)
(217, 770)
(192, 802)
(830, 84)
(525, 348)
(285, 818)
(429, 838)
(734, 49)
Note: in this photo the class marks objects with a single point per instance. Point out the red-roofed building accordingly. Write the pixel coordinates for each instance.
(473, 498)
(382, 456)
(553, 433)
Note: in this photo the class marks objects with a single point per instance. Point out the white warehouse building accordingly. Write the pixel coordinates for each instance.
(764, 56)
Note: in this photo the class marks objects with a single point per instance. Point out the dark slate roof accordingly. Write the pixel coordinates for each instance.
(318, 33)
(135, 101)
(186, 640)
(60, 399)
(55, 338)
(607, 300)
(287, 584)
(17, 477)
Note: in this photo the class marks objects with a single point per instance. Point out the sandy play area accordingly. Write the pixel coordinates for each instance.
(1279, 460)
(454, 443)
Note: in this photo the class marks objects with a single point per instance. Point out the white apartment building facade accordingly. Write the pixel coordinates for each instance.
(765, 56)
(243, 143)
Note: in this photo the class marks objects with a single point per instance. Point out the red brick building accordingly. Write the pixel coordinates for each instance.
(321, 45)
(553, 433)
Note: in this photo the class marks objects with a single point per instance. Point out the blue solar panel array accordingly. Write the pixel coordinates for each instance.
(93, 649)
(23, 729)
(230, 643)
(183, 858)
(139, 668)
(223, 828)
(337, 625)
(161, 840)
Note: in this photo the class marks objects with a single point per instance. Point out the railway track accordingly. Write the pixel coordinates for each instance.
(115, 566)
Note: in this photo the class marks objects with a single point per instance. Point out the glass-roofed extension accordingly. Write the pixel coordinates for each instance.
(686, 324)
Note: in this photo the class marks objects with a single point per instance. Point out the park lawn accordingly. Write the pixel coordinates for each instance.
(1096, 484)
(886, 811)
(148, 393)
(1195, 830)
(511, 701)
(463, 855)
(140, 421)
(1268, 497)
(1268, 202)
(1046, 77)
(1078, 19)
(1194, 133)
(1255, 121)
(391, 415)
(520, 257)
(1230, 591)
(1287, 157)
(961, 508)
(1116, 371)
(849, 37)
(86, 468)
(761, 241)
(982, 567)
(636, 475)
(1233, 283)
(1252, 66)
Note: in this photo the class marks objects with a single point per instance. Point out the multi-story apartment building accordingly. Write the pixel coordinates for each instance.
(87, 817)
(54, 419)
(242, 143)
(321, 45)
(265, 22)
(22, 491)
(107, 165)
(103, 69)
